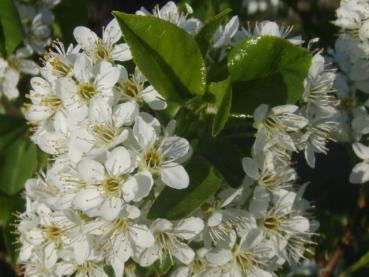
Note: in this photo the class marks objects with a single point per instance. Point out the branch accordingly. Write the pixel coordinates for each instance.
(346, 238)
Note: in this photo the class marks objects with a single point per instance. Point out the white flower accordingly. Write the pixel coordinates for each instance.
(58, 62)
(122, 237)
(266, 175)
(133, 89)
(171, 13)
(102, 132)
(275, 125)
(223, 219)
(46, 101)
(9, 78)
(106, 48)
(170, 239)
(224, 35)
(249, 258)
(161, 156)
(109, 186)
(360, 172)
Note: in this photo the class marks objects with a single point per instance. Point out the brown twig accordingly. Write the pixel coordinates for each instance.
(346, 239)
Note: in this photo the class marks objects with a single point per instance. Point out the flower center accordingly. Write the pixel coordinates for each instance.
(121, 224)
(60, 69)
(53, 232)
(244, 261)
(104, 133)
(131, 88)
(101, 50)
(152, 159)
(51, 101)
(86, 91)
(112, 186)
(272, 223)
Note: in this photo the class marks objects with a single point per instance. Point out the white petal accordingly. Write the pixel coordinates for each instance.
(125, 114)
(92, 172)
(107, 76)
(259, 202)
(184, 253)
(261, 113)
(270, 29)
(215, 219)
(219, 257)
(87, 199)
(285, 109)
(310, 156)
(119, 162)
(144, 133)
(85, 37)
(251, 168)
(161, 225)
(174, 176)
(121, 52)
(100, 111)
(297, 224)
(361, 151)
(174, 148)
(141, 236)
(153, 98)
(360, 173)
(112, 32)
(251, 239)
(149, 255)
(81, 250)
(50, 256)
(137, 187)
(110, 208)
(189, 228)
(83, 68)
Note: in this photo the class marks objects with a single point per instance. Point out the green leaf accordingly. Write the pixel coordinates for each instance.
(68, 15)
(361, 263)
(176, 204)
(207, 32)
(223, 101)
(11, 25)
(267, 70)
(167, 55)
(8, 205)
(18, 163)
(11, 240)
(11, 127)
(226, 158)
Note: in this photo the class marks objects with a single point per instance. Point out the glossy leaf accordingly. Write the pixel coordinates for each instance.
(226, 158)
(223, 102)
(207, 32)
(18, 163)
(11, 128)
(11, 26)
(267, 70)
(8, 205)
(167, 55)
(176, 204)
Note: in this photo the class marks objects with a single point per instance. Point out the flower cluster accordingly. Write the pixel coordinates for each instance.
(352, 83)
(36, 18)
(112, 157)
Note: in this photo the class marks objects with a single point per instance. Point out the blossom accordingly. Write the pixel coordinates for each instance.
(161, 156)
(106, 48)
(169, 239)
(171, 13)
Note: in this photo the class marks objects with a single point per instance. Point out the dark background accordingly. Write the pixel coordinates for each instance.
(339, 206)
